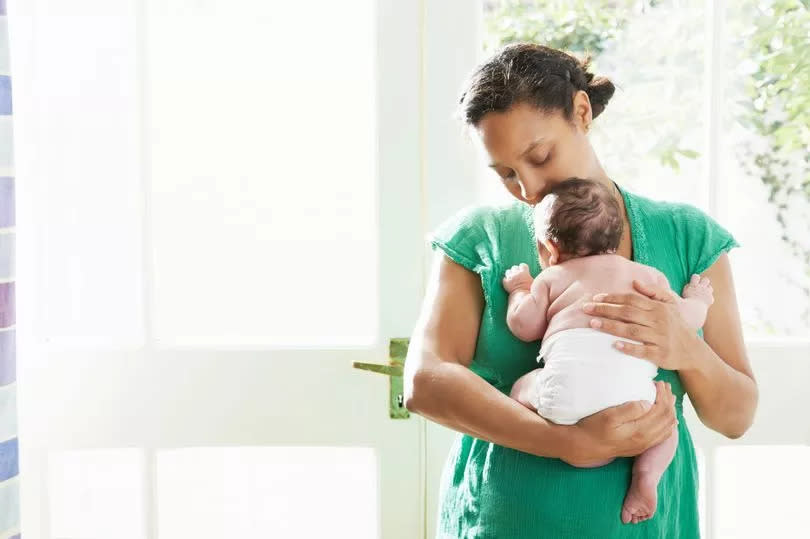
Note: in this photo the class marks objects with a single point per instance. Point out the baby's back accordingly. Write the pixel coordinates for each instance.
(576, 281)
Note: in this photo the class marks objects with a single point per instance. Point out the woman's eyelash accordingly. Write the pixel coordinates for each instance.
(511, 174)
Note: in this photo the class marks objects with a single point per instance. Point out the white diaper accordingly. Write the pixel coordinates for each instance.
(584, 374)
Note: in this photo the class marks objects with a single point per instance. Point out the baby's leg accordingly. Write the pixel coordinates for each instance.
(524, 388)
(642, 497)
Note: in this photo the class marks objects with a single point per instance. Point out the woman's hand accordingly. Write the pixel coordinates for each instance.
(652, 319)
(624, 431)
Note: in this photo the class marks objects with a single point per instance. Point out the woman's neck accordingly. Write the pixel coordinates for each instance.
(626, 244)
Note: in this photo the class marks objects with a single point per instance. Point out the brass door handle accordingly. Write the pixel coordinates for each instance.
(390, 370)
(397, 350)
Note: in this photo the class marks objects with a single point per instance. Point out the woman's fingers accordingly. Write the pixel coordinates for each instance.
(634, 331)
(636, 300)
(629, 412)
(626, 313)
(653, 292)
(658, 423)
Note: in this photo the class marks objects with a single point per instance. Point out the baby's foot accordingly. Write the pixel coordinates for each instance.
(642, 498)
(699, 288)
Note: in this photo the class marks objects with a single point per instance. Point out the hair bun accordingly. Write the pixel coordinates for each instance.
(600, 90)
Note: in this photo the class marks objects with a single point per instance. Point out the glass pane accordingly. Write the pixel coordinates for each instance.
(259, 492)
(263, 192)
(97, 494)
(650, 137)
(762, 492)
(764, 164)
(83, 197)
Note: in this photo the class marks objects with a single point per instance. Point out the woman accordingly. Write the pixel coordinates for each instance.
(510, 473)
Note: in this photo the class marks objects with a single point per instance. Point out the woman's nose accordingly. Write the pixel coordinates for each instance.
(529, 192)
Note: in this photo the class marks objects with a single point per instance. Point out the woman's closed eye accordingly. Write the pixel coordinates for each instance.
(534, 162)
(541, 162)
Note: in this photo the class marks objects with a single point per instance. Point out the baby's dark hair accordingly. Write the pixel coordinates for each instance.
(535, 74)
(581, 217)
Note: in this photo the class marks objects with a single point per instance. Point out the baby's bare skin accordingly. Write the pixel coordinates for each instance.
(553, 301)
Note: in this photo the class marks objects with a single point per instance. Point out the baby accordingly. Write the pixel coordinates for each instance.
(578, 226)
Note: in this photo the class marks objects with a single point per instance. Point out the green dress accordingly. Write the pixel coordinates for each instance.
(492, 491)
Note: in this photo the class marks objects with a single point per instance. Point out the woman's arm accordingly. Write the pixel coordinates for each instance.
(439, 385)
(715, 370)
(720, 382)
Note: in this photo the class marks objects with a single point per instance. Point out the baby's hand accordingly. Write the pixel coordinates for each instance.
(518, 278)
(699, 288)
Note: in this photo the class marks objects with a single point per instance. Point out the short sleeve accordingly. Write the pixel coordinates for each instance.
(706, 240)
(469, 238)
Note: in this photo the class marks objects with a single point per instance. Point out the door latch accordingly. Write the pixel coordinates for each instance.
(397, 350)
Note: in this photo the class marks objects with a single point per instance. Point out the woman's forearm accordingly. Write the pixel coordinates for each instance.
(452, 395)
(725, 399)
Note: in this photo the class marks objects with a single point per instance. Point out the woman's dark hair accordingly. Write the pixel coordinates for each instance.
(534, 74)
(583, 218)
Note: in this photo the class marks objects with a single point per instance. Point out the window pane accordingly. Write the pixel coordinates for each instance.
(258, 492)
(263, 192)
(764, 165)
(762, 492)
(650, 136)
(97, 494)
(83, 198)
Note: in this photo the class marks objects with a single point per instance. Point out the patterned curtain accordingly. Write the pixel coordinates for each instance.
(9, 464)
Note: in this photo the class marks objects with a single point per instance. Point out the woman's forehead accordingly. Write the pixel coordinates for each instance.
(511, 133)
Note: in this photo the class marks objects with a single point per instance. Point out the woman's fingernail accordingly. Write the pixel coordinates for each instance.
(587, 307)
(599, 297)
(596, 323)
(619, 345)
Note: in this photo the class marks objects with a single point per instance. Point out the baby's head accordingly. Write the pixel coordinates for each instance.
(577, 218)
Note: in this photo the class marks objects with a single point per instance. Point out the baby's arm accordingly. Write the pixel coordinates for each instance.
(697, 297)
(528, 303)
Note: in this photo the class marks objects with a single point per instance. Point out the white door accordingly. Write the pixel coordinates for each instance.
(220, 212)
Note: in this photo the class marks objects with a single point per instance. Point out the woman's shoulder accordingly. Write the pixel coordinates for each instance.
(685, 227)
(482, 222)
(672, 216)
(479, 236)
(666, 211)
(482, 216)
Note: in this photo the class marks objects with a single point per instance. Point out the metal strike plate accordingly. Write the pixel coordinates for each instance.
(397, 350)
